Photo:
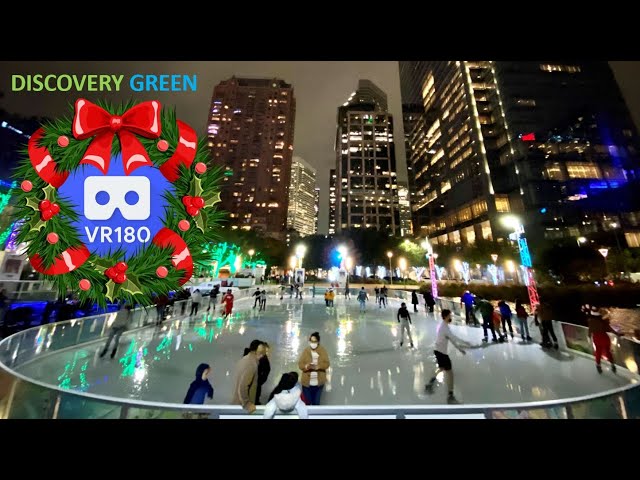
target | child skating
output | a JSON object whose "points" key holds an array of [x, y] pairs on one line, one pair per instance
{"points": [[443, 336]]}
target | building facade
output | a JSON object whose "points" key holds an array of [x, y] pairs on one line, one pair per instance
{"points": [[333, 205], [551, 142], [250, 134], [366, 183], [317, 208], [302, 198]]}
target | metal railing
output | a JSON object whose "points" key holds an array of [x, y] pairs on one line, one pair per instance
{"points": [[23, 397]]}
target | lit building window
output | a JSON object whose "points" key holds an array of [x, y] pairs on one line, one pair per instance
{"points": [[486, 230], [560, 68], [554, 172], [583, 170], [525, 102], [633, 239], [502, 204]]}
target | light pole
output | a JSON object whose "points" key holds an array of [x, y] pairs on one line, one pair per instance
{"points": [[604, 252], [300, 251], [389, 255], [513, 222], [402, 263], [432, 267], [581, 240]]}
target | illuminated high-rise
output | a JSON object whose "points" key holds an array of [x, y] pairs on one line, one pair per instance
{"points": [[302, 198], [366, 184], [250, 134], [333, 178], [552, 142]]}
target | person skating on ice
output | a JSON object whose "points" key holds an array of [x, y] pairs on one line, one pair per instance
{"points": [[486, 311], [227, 301], [362, 298], [414, 301], [523, 316], [598, 332], [118, 327], [404, 319], [196, 300], [256, 295], [263, 300], [505, 312], [441, 348]]}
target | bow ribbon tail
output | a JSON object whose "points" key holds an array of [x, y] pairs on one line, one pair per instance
{"points": [[99, 152], [133, 153]]}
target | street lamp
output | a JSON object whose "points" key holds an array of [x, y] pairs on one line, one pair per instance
{"points": [[389, 255], [300, 251], [402, 263], [494, 257], [293, 261], [513, 222], [581, 240], [348, 263], [604, 252]]}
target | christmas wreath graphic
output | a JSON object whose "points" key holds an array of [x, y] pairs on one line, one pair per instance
{"points": [[117, 201]]}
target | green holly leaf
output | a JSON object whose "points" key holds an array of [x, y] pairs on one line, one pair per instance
{"points": [[132, 286], [201, 220], [102, 264], [211, 198], [35, 205], [196, 187], [112, 290], [49, 192], [99, 268], [35, 224]]}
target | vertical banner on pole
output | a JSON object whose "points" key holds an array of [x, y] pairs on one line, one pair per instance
{"points": [[432, 275]]}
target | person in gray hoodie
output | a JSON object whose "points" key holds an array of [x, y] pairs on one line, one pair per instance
{"points": [[285, 398], [118, 327]]}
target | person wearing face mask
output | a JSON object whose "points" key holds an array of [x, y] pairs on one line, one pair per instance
{"points": [[246, 377], [314, 362]]}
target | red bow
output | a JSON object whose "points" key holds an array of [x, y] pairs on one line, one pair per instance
{"points": [[90, 120]]}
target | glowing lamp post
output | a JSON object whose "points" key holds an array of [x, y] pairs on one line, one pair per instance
{"points": [[348, 263], [389, 256], [432, 268], [581, 240], [300, 252], [402, 263], [513, 222], [604, 252]]}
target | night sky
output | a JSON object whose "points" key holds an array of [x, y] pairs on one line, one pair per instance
{"points": [[320, 87]]}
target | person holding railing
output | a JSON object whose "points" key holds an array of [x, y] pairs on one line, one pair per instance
{"points": [[246, 377], [467, 299], [599, 327], [544, 318], [118, 327]]}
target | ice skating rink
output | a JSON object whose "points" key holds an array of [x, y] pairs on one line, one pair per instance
{"points": [[368, 366]]}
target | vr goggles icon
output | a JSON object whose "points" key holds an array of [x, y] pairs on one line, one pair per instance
{"points": [[104, 195]]}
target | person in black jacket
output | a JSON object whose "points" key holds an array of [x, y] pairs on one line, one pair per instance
{"points": [[264, 368], [414, 301]]}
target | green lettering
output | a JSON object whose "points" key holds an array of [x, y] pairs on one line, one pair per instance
{"points": [[48, 87], [92, 83], [64, 78], [14, 86], [78, 84], [37, 80], [105, 83], [117, 81]]}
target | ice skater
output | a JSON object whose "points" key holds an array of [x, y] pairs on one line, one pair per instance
{"points": [[362, 298], [404, 319], [505, 312], [263, 300], [441, 347], [522, 317], [227, 300], [544, 318], [598, 332], [213, 298], [414, 301], [118, 327], [486, 311], [256, 294], [196, 300], [383, 297]]}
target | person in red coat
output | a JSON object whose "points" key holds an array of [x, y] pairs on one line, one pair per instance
{"points": [[227, 300], [598, 331]]}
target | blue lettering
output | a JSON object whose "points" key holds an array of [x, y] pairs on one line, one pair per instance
{"points": [[164, 83], [191, 82], [137, 83]]}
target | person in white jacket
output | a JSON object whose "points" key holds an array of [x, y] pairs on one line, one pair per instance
{"points": [[443, 336], [285, 398]]}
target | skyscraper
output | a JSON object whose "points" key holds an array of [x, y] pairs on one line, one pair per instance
{"points": [[333, 179], [366, 186], [250, 132], [404, 207], [302, 198], [552, 142], [317, 208]]}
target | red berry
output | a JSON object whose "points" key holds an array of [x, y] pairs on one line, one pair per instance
{"points": [[110, 272], [162, 272], [193, 211], [187, 200], [26, 185], [184, 225], [63, 141], [198, 202], [85, 284], [162, 145], [120, 278], [121, 267], [46, 215], [55, 209], [52, 238], [201, 168], [45, 205]]}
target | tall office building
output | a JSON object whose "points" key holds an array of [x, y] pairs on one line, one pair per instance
{"points": [[411, 115], [404, 208], [552, 142], [317, 208], [366, 186], [250, 133], [302, 198], [333, 179]]}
